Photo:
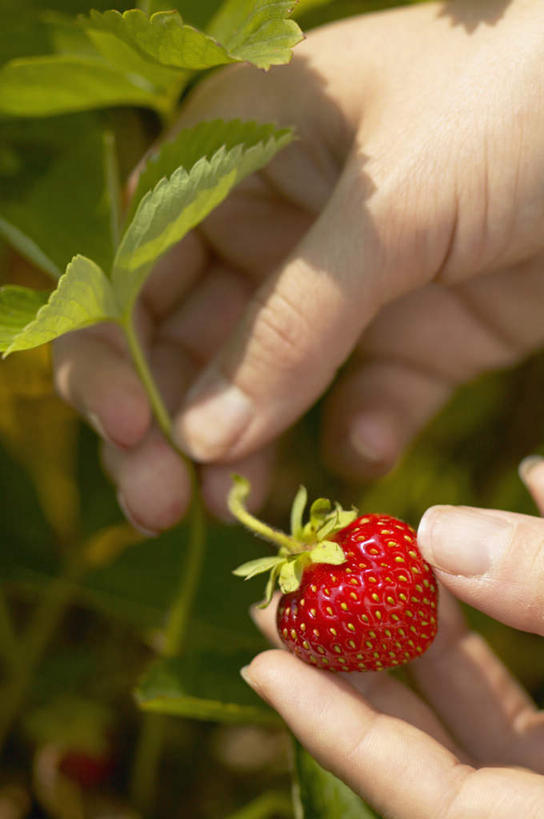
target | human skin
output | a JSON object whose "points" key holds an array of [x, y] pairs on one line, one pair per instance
{"points": [[402, 230], [470, 743]]}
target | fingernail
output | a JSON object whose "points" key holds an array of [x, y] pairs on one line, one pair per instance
{"points": [[130, 517], [246, 676], [98, 427], [371, 438], [462, 541], [527, 465], [217, 413]]}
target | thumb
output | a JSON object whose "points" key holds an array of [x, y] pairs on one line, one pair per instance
{"points": [[299, 328], [491, 559]]}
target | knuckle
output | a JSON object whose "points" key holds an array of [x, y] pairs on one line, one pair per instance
{"points": [[282, 333]]}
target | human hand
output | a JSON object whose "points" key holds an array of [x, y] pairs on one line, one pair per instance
{"points": [[404, 226], [475, 746]]}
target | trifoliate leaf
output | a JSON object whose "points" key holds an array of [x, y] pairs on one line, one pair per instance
{"points": [[56, 84], [257, 31], [258, 566], [83, 296], [177, 204], [297, 512]]}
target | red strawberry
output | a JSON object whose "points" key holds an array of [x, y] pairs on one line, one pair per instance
{"points": [[88, 770], [376, 610], [357, 593]]}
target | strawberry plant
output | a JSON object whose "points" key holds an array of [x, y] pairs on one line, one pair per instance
{"points": [[120, 656]]}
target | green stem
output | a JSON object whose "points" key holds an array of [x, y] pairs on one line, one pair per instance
{"points": [[44, 622], [146, 761], [236, 498], [151, 739]]}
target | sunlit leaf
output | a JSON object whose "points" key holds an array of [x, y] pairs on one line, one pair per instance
{"points": [[191, 144], [18, 307], [83, 297], [258, 31], [175, 205], [56, 84]]}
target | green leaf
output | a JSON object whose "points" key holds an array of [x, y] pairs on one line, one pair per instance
{"points": [[258, 566], [191, 144], [258, 31], [83, 297], [121, 39], [178, 203], [320, 795], [18, 307], [163, 39], [253, 31], [70, 207], [164, 689], [56, 84]]}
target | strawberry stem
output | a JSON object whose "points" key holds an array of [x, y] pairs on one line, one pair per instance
{"points": [[235, 501]]}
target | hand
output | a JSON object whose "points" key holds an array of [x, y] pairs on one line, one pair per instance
{"points": [[475, 748], [404, 226]]}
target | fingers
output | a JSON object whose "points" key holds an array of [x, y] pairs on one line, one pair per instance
{"points": [[299, 327], [492, 560], [404, 773], [153, 484], [92, 374], [415, 353], [383, 692], [477, 698]]}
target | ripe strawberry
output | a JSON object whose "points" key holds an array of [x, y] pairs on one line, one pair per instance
{"points": [[376, 610], [88, 770], [358, 595]]}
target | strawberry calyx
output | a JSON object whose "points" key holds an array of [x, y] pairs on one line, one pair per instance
{"points": [[307, 543]]}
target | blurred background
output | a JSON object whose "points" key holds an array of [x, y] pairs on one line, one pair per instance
{"points": [[83, 597]]}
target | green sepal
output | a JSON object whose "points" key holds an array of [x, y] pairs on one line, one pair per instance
{"points": [[308, 543], [258, 566], [328, 552], [291, 573], [270, 586], [297, 512]]}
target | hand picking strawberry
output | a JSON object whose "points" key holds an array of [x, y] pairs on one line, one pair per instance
{"points": [[357, 595]]}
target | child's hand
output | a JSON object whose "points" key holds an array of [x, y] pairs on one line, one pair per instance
{"points": [[475, 746], [405, 225]]}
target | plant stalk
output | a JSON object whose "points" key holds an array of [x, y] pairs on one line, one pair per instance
{"points": [[151, 739]]}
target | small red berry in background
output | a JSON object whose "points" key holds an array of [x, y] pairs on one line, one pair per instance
{"points": [[88, 770], [358, 595]]}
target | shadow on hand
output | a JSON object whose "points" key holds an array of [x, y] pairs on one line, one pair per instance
{"points": [[471, 14]]}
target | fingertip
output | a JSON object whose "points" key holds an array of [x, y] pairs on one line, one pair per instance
{"points": [[153, 483], [531, 472]]}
